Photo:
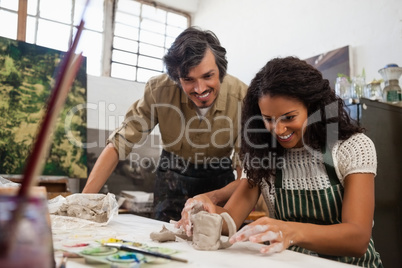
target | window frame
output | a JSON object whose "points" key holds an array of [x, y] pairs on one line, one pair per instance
{"points": [[108, 62], [109, 8]]}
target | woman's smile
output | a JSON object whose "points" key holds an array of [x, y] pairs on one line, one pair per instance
{"points": [[285, 138]]}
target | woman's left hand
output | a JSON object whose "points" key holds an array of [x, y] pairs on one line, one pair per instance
{"points": [[266, 229]]}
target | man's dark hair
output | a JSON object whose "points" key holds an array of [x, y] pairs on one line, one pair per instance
{"points": [[188, 50]]}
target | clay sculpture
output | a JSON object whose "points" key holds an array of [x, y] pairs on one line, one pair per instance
{"points": [[207, 228]]}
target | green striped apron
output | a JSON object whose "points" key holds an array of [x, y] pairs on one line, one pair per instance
{"points": [[319, 207]]}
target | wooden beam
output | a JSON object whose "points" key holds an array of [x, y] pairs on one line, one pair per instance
{"points": [[22, 19]]}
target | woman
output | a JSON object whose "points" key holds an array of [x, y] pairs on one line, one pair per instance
{"points": [[311, 162]]}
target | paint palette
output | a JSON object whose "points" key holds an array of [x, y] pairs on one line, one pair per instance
{"points": [[126, 257], [76, 245], [99, 251], [95, 254]]}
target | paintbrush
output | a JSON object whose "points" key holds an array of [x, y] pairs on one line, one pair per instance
{"points": [[63, 262], [143, 251], [65, 77]]}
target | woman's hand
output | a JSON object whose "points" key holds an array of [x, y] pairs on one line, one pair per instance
{"points": [[266, 229], [192, 206]]}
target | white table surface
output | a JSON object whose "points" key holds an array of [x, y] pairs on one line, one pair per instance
{"points": [[243, 254]]}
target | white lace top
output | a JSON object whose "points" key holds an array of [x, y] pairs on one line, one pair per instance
{"points": [[303, 168]]}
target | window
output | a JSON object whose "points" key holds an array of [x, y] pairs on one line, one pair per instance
{"points": [[128, 43], [142, 34], [53, 24], [9, 17]]}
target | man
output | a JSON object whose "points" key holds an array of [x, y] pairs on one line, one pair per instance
{"points": [[197, 106]]}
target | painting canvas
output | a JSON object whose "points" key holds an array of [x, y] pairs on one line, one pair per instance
{"points": [[332, 63], [27, 75]]}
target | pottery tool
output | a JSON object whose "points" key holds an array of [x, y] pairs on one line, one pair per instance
{"points": [[143, 251], [34, 166]]}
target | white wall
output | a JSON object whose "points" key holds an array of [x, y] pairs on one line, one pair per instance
{"points": [[254, 31], [108, 100], [189, 6]]}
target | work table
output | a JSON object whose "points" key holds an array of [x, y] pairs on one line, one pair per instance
{"points": [[136, 228]]}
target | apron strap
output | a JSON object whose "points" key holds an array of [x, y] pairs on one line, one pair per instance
{"points": [[330, 167], [278, 178], [328, 164]]}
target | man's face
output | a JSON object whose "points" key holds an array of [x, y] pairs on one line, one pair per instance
{"points": [[202, 83]]}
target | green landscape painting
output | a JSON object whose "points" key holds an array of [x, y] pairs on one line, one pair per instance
{"points": [[27, 76]]}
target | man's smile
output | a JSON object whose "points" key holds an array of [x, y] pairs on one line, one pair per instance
{"points": [[202, 96]]}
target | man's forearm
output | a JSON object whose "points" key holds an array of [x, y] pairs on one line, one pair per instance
{"points": [[104, 166]]}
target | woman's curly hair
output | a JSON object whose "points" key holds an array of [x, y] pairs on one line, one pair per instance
{"points": [[328, 119]]}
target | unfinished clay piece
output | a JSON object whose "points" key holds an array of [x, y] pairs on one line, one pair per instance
{"points": [[207, 228], [98, 208], [166, 235], [163, 236]]}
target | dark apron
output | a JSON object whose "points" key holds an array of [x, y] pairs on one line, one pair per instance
{"points": [[319, 207], [175, 183]]}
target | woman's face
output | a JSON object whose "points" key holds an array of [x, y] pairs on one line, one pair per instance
{"points": [[285, 118]]}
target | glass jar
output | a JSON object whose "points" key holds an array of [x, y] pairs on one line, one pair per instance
{"points": [[358, 84], [342, 88], [373, 91], [392, 91], [32, 244]]}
